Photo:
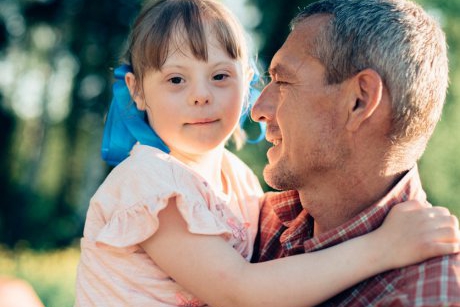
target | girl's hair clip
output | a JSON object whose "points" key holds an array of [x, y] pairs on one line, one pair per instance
{"points": [[253, 95], [125, 124]]}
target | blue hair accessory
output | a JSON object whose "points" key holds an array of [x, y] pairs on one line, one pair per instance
{"points": [[126, 125], [254, 94]]}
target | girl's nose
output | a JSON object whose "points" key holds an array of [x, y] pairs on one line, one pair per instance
{"points": [[201, 95], [201, 101]]}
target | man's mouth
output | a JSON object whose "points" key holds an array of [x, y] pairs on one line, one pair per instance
{"points": [[275, 142]]}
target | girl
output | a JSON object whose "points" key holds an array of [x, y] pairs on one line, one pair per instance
{"points": [[185, 217]]}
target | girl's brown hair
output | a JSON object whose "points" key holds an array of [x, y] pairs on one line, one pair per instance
{"points": [[155, 31]]}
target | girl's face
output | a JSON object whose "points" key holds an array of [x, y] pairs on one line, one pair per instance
{"points": [[193, 105]]}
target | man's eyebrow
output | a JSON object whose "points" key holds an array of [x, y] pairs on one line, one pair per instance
{"points": [[280, 71]]}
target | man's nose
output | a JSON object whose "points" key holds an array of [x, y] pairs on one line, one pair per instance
{"points": [[264, 108]]}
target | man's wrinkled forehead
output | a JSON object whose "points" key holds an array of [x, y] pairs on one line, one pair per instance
{"points": [[311, 29], [281, 69], [298, 47]]}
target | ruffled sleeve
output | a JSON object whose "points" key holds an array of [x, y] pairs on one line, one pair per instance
{"points": [[143, 191]]}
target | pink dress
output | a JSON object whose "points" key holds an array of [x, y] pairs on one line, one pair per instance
{"points": [[114, 270]]}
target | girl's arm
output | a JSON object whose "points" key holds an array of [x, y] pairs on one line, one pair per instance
{"points": [[213, 271]]}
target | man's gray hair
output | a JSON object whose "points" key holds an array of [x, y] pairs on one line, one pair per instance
{"points": [[401, 42]]}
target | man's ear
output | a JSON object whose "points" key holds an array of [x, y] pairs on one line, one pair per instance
{"points": [[368, 87], [131, 82]]}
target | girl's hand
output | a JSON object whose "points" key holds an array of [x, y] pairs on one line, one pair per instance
{"points": [[413, 232]]}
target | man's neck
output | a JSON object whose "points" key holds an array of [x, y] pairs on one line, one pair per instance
{"points": [[333, 202]]}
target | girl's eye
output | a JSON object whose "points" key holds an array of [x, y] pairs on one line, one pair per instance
{"points": [[220, 77], [176, 80]]}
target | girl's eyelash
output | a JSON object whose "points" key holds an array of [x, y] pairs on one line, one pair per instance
{"points": [[221, 75], [217, 77], [175, 80]]}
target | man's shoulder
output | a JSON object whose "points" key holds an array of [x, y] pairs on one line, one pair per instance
{"points": [[434, 281], [434, 267]]}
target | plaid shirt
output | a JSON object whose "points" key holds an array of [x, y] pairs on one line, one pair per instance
{"points": [[287, 229]]}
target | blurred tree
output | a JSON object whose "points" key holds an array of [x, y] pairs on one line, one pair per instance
{"points": [[440, 166], [56, 61], [274, 26], [6, 190]]}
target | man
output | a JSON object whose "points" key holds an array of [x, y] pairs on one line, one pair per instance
{"points": [[356, 92]]}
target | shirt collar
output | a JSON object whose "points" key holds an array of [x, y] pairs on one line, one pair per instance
{"points": [[286, 206], [296, 219], [409, 187]]}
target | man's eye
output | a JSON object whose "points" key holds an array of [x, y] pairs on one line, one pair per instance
{"points": [[220, 77], [266, 78], [176, 80]]}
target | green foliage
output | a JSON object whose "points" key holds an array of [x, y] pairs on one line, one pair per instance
{"points": [[51, 274], [56, 59], [440, 165]]}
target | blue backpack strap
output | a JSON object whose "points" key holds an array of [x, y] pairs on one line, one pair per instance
{"points": [[125, 124]]}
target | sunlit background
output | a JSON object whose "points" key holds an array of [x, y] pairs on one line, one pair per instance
{"points": [[56, 62]]}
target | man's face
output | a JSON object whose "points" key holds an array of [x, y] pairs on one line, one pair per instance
{"points": [[304, 116]]}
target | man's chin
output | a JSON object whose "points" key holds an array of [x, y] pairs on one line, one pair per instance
{"points": [[277, 177]]}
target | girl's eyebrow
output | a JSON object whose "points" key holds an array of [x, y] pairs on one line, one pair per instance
{"points": [[224, 63], [173, 66], [179, 66]]}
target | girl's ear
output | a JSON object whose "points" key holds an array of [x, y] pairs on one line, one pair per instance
{"points": [[368, 88], [131, 82]]}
